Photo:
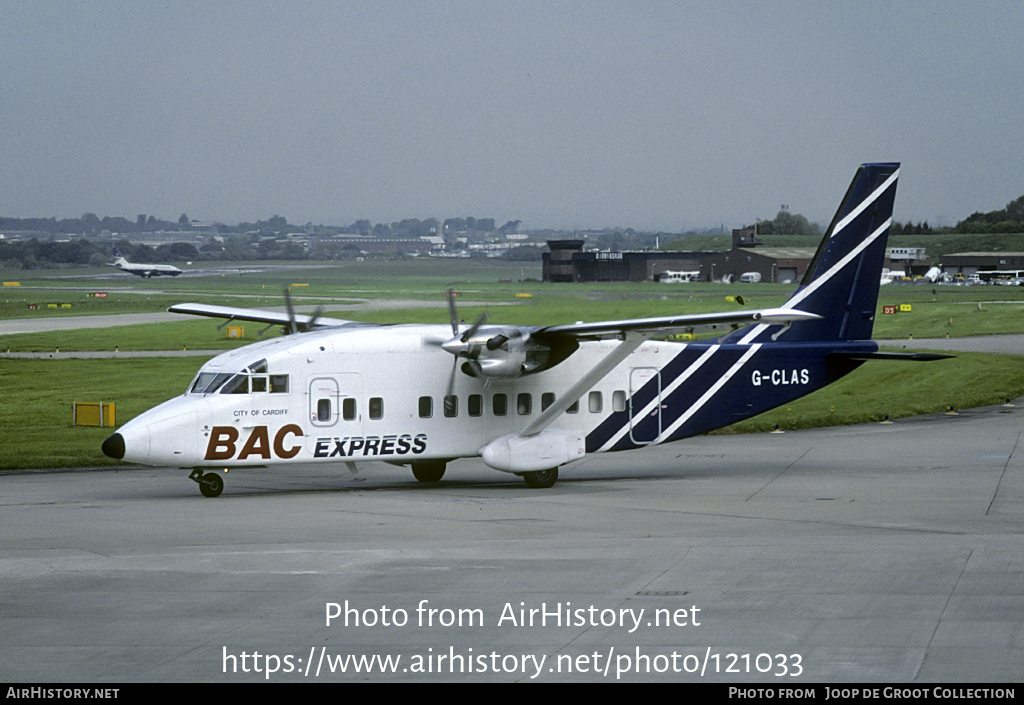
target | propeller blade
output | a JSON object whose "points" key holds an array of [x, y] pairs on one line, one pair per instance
{"points": [[452, 315], [308, 325], [451, 379], [474, 328], [292, 326]]}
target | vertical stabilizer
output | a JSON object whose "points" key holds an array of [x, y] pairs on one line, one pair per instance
{"points": [[841, 282]]}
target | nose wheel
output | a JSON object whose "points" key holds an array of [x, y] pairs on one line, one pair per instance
{"points": [[210, 483]]}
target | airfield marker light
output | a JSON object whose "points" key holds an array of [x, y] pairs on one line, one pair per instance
{"points": [[887, 419], [777, 429], [952, 411], [1008, 402]]}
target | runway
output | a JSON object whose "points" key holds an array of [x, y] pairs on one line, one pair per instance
{"points": [[874, 553]]}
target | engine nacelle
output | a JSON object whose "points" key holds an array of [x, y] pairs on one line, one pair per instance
{"points": [[506, 353], [503, 363], [546, 450]]}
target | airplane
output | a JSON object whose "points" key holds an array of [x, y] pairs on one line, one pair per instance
{"points": [[144, 270], [526, 400]]}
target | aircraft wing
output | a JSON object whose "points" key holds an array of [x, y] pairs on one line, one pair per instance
{"points": [[256, 315], [668, 325]]}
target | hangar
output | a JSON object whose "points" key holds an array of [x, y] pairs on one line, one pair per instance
{"points": [[968, 263], [569, 262]]}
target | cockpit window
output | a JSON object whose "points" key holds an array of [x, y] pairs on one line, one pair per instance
{"points": [[254, 379], [238, 384], [209, 382]]}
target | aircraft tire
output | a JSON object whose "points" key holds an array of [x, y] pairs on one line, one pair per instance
{"points": [[542, 479], [211, 485], [430, 471]]}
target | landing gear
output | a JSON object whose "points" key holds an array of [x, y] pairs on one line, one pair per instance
{"points": [[429, 471], [210, 483], [542, 479]]}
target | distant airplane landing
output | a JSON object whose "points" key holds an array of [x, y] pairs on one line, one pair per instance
{"points": [[144, 270]]}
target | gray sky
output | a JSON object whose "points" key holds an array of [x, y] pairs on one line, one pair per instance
{"points": [[664, 115]]}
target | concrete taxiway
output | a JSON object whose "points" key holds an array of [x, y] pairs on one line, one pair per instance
{"points": [[882, 553]]}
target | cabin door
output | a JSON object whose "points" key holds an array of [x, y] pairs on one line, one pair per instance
{"points": [[335, 400], [644, 412]]}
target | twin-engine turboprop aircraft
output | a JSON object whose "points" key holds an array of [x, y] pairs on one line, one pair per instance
{"points": [[525, 399]]}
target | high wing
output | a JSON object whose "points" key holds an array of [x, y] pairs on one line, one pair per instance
{"points": [[303, 321], [667, 325]]}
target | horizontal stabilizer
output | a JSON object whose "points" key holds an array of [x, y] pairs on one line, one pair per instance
{"points": [[908, 357]]}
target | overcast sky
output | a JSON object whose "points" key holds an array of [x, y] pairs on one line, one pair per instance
{"points": [[655, 115]]}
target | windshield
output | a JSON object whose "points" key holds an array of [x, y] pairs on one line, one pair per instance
{"points": [[253, 378], [209, 382]]}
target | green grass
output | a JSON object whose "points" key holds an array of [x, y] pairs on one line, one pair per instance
{"points": [[36, 423], [950, 311]]}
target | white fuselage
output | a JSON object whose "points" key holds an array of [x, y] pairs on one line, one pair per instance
{"points": [[374, 393], [146, 270]]}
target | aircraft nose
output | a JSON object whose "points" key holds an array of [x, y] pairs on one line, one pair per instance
{"points": [[113, 447]]}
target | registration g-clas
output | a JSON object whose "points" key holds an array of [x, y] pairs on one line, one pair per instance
{"points": [[780, 378]]}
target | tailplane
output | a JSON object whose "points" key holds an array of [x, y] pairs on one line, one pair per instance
{"points": [[841, 282]]}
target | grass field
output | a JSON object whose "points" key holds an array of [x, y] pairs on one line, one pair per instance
{"points": [[37, 430]]}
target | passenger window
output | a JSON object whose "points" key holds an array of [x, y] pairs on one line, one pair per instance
{"points": [[348, 408], [376, 408], [259, 384], [618, 400], [596, 403], [546, 400], [524, 404], [426, 407], [451, 406], [500, 404], [475, 405], [323, 410], [278, 384], [573, 408]]}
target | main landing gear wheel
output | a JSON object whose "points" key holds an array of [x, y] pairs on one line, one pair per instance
{"points": [[210, 483], [542, 479], [431, 471]]}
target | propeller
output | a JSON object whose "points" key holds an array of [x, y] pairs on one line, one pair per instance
{"points": [[293, 325], [460, 345], [498, 353]]}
